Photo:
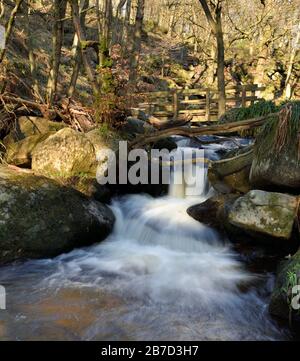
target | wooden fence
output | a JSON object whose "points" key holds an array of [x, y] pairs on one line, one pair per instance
{"points": [[201, 104]]}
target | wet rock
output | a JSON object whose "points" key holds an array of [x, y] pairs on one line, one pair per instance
{"points": [[265, 213], [288, 276], [165, 143], [235, 182], [40, 218], [231, 174], [213, 212]]}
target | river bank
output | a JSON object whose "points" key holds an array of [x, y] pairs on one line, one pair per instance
{"points": [[160, 275]]}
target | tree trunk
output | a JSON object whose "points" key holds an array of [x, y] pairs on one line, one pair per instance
{"points": [[294, 51], [136, 42], [205, 130], [105, 41], [216, 27], [221, 63], [84, 4], [9, 26], [57, 41], [31, 56], [119, 23], [81, 39]]}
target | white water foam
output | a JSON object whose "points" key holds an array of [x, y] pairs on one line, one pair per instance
{"points": [[177, 278]]}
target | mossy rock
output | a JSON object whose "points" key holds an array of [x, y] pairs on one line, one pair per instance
{"points": [[89, 187], [276, 161], [27, 126], [288, 276], [213, 212], [231, 174], [40, 218], [20, 153], [65, 154], [266, 213], [235, 182]]}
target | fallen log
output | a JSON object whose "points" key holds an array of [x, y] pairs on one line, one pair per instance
{"points": [[164, 124], [205, 130]]}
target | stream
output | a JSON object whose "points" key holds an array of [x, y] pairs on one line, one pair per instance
{"points": [[160, 275]]}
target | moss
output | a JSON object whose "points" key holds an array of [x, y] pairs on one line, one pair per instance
{"points": [[32, 206], [267, 137], [255, 110], [288, 277]]}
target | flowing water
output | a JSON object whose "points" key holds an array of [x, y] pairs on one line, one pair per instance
{"points": [[160, 275]]}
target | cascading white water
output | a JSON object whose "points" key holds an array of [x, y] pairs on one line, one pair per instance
{"points": [[165, 275]]}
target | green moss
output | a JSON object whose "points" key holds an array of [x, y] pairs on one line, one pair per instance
{"points": [[267, 137], [255, 110], [291, 279]]}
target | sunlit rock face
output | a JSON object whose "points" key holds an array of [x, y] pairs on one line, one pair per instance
{"points": [[268, 213], [27, 126], [26, 134], [20, 153], [40, 218], [276, 154], [64, 154]]}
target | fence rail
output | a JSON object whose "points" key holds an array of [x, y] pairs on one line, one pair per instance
{"points": [[201, 104]]}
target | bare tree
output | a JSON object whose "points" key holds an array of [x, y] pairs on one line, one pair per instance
{"points": [[215, 22], [137, 39], [82, 43], [84, 4], [59, 11], [10, 25], [295, 44]]}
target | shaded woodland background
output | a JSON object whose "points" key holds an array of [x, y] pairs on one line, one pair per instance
{"points": [[102, 53]]}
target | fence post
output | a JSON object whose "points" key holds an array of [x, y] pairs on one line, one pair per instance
{"points": [[253, 93], [244, 96], [175, 105], [237, 96], [207, 110]]}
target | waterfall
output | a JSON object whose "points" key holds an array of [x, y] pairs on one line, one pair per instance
{"points": [[190, 179], [161, 275]]}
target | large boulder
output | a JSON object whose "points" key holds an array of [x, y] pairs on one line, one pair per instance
{"points": [[65, 154], [104, 139], [89, 187], [40, 218], [278, 170], [27, 126], [266, 213], [214, 211], [276, 152], [20, 153], [231, 174], [288, 276]]}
